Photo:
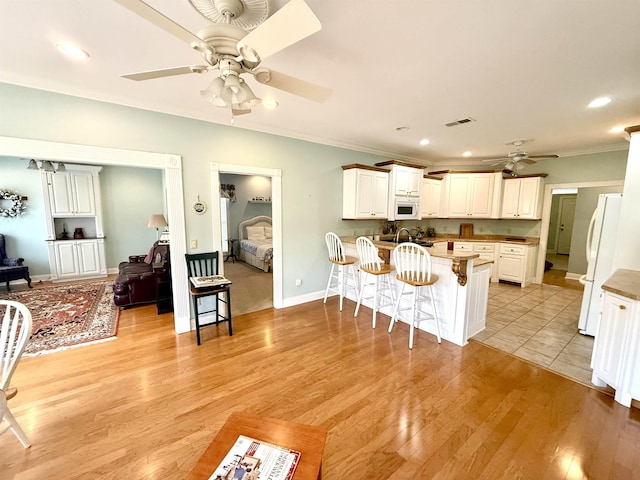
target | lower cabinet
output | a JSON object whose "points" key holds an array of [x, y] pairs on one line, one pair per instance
{"points": [[516, 263], [487, 251], [616, 352], [69, 259]]}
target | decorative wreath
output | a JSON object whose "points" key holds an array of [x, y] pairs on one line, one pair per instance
{"points": [[17, 207]]}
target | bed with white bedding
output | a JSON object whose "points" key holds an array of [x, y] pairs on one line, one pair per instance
{"points": [[256, 242]]}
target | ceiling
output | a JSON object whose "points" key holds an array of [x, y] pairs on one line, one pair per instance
{"points": [[521, 70]]}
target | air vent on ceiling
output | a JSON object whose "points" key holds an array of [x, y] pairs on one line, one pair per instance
{"points": [[459, 122]]}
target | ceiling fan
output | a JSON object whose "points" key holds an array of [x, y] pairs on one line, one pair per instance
{"points": [[514, 160], [241, 36]]}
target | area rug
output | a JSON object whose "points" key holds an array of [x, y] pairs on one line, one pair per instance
{"points": [[70, 315]]}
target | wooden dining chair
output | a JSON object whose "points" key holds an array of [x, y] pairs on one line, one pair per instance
{"points": [[206, 265], [15, 332]]}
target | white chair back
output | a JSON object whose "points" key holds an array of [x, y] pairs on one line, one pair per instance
{"points": [[15, 332], [335, 247], [368, 254], [412, 262]]}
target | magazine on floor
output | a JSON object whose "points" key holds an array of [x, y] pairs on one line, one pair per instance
{"points": [[210, 281], [251, 459]]}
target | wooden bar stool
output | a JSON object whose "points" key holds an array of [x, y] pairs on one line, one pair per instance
{"points": [[339, 277], [413, 267], [376, 274]]}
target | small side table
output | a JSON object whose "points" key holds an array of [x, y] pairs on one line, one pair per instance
{"points": [[164, 292], [232, 252]]}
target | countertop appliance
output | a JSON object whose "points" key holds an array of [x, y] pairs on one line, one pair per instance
{"points": [[601, 239]]}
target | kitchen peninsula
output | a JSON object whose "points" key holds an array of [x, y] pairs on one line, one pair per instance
{"points": [[461, 291]]}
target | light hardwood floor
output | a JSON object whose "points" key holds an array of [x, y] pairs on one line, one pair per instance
{"points": [[145, 406]]}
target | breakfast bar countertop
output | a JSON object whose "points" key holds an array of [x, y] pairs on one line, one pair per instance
{"points": [[385, 245]]}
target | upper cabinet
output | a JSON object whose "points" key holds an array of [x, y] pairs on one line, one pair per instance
{"points": [[523, 197], [407, 181], [364, 192], [71, 193], [473, 195], [430, 198]]}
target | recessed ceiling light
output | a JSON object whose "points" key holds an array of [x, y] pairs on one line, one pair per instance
{"points": [[402, 129], [599, 102], [270, 103], [466, 154], [424, 141], [71, 50], [618, 129]]}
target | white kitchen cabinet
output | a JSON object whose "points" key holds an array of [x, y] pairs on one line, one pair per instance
{"points": [[473, 195], [488, 251], [616, 349], [516, 263], [522, 198], [430, 198], [364, 192], [407, 181], [77, 258]]}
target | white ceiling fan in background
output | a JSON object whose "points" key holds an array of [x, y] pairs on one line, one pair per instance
{"points": [[514, 160], [241, 35]]}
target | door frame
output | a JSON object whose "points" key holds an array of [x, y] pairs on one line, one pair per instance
{"points": [[170, 164], [546, 216], [276, 215]]}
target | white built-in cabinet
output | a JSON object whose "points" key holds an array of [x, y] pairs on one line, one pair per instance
{"points": [[616, 349], [72, 202], [522, 198], [516, 263], [364, 192], [430, 198], [407, 181], [473, 195]]}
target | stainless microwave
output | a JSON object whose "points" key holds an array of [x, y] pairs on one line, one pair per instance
{"points": [[406, 209]]}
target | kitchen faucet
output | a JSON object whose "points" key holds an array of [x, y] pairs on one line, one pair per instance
{"points": [[400, 231]]}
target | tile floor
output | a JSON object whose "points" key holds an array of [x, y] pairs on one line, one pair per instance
{"points": [[539, 323]]}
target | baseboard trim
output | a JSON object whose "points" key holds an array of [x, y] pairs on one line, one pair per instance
{"points": [[572, 276], [300, 299]]}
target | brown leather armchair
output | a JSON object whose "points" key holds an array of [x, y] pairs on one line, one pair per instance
{"points": [[136, 284], [12, 268]]}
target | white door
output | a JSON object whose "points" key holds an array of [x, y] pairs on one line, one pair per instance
{"points": [[88, 258], [566, 213]]}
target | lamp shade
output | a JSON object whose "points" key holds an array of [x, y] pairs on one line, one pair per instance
{"points": [[157, 220]]}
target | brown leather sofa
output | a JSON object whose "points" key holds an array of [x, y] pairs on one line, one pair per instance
{"points": [[135, 284]]}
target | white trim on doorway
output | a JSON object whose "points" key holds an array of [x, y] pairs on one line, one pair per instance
{"points": [[276, 215], [546, 216], [169, 163]]}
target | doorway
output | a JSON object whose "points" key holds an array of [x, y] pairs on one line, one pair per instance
{"points": [[245, 197], [275, 175], [550, 227]]}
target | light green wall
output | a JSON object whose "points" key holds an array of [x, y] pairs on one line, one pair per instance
{"points": [[125, 215]]}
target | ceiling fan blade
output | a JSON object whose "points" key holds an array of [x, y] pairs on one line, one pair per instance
{"points": [[240, 112], [154, 16], [290, 84], [165, 72], [495, 161], [527, 161], [291, 23], [543, 156]]}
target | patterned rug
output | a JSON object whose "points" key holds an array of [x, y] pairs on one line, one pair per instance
{"points": [[69, 315]]}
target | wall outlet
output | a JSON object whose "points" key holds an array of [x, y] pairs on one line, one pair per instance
{"points": [[194, 243], [298, 282]]}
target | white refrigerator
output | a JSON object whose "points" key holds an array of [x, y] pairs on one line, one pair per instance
{"points": [[601, 240]]}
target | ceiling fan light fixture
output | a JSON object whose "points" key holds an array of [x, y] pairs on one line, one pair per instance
{"points": [[509, 165]]}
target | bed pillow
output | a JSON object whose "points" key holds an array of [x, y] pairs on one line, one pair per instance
{"points": [[268, 232], [255, 233]]}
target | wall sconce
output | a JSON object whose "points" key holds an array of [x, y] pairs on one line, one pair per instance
{"points": [[46, 166]]}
